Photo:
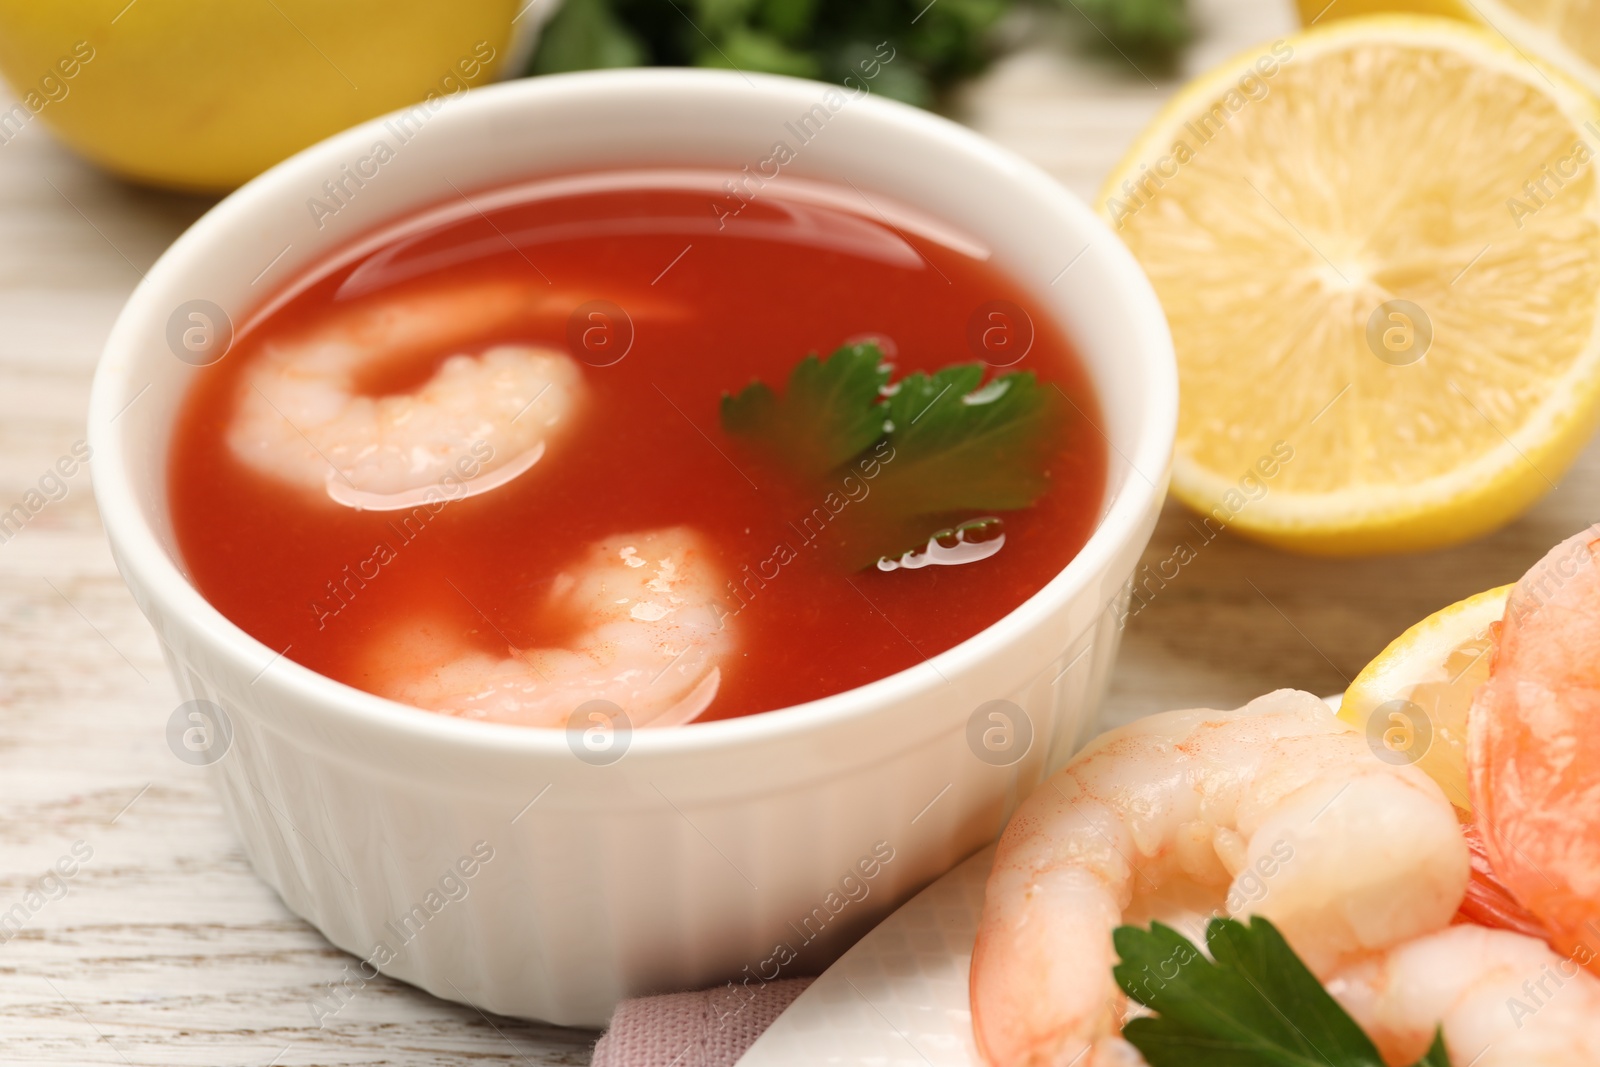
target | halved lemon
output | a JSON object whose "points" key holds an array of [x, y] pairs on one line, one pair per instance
{"points": [[1412, 700], [1387, 335], [1565, 32]]}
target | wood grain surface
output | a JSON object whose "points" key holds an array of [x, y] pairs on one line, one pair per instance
{"points": [[163, 947]]}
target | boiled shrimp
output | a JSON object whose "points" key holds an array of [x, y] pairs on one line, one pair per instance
{"points": [[646, 639], [1502, 999], [1488, 902], [1277, 809], [1534, 746], [480, 420]]}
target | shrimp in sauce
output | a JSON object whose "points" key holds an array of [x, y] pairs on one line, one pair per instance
{"points": [[645, 637], [303, 419]]}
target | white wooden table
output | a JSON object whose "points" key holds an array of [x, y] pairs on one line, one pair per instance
{"points": [[166, 949]]}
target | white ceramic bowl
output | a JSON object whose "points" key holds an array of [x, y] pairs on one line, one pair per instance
{"points": [[740, 849]]}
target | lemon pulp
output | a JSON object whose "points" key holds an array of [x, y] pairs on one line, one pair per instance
{"points": [[1412, 700]]}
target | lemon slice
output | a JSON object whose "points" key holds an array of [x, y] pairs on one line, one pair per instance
{"points": [[1565, 32], [1387, 339], [1412, 700]]}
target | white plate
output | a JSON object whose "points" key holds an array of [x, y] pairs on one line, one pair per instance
{"points": [[899, 997]]}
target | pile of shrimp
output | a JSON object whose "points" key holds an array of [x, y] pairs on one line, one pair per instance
{"points": [[1280, 809]]}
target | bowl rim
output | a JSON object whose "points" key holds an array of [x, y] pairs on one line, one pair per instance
{"points": [[156, 577]]}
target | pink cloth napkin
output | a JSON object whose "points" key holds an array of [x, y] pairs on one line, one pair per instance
{"points": [[711, 1028]]}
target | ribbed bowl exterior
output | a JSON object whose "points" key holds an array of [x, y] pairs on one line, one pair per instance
{"points": [[604, 883]]}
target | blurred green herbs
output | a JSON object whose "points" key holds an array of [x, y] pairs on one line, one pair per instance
{"points": [[1143, 30], [914, 49]]}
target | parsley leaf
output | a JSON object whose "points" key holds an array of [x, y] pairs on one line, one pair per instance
{"points": [[828, 416], [958, 447], [942, 446], [1254, 1004], [1437, 1056]]}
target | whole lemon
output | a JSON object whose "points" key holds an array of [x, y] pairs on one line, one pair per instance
{"points": [[204, 94]]}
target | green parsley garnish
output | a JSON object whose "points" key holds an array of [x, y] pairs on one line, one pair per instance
{"points": [[910, 50], [942, 446], [829, 415], [1140, 31], [1253, 1004]]}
